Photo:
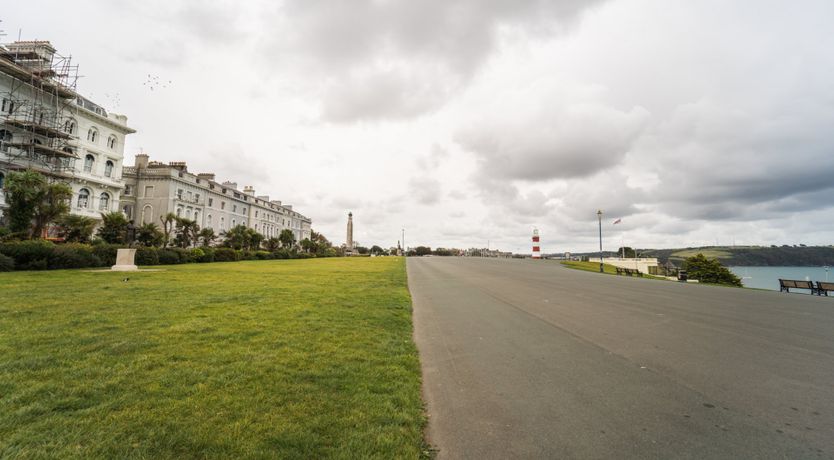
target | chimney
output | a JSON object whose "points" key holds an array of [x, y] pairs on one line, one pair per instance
{"points": [[276, 202], [141, 160], [206, 176], [231, 185], [249, 190], [264, 198], [288, 206], [178, 165]]}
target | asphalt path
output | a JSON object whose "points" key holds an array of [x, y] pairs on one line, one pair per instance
{"points": [[529, 359]]}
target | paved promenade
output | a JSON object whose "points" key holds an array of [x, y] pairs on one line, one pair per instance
{"points": [[527, 359]]}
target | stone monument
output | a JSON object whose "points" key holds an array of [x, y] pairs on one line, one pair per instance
{"points": [[349, 239], [125, 260]]}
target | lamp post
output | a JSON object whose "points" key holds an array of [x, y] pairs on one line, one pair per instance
{"points": [[599, 216]]}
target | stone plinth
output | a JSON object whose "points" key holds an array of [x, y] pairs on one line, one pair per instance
{"points": [[125, 261]]}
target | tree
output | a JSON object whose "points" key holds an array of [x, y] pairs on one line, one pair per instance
{"points": [[629, 252], [308, 245], [709, 271], [376, 250], [272, 244], [421, 251], [361, 250], [236, 237], [207, 236], [23, 192], [187, 231], [149, 235], [76, 229], [287, 238], [169, 222], [113, 228], [34, 203], [52, 207]]}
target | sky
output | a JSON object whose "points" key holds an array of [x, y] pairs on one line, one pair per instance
{"points": [[468, 123]]}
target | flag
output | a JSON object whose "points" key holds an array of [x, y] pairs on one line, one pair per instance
{"points": [[617, 221]]}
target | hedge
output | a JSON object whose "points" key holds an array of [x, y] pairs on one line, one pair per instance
{"points": [[43, 255]]}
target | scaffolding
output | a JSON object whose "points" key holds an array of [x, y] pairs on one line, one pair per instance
{"points": [[38, 93]]}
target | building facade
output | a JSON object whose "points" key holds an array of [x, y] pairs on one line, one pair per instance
{"points": [[46, 126], [154, 189]]}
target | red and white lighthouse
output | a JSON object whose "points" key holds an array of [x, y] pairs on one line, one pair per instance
{"points": [[537, 253]]}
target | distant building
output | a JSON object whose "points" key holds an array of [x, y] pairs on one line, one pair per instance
{"points": [[154, 189], [46, 126]]}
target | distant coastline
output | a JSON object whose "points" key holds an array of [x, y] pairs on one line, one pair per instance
{"points": [[744, 256]]}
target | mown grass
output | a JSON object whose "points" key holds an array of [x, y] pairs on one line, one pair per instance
{"points": [[590, 266], [261, 359]]}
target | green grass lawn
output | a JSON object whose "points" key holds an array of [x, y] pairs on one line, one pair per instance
{"points": [[261, 359], [590, 266]]}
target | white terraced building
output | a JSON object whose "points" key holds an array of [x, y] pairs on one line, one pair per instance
{"points": [[46, 126], [154, 189]]}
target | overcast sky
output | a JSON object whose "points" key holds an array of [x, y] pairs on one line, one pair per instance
{"points": [[474, 121]]}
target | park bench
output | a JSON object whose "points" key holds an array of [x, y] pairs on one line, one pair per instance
{"points": [[823, 287], [787, 285], [628, 271]]}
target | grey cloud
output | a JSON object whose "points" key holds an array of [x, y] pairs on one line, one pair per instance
{"points": [[425, 190], [381, 95], [400, 58], [547, 139]]}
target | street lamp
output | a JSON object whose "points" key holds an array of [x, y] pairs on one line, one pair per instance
{"points": [[599, 216]]}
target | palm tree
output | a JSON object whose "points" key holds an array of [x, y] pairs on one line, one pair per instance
{"points": [[187, 232], [168, 222], [207, 236], [287, 238]]}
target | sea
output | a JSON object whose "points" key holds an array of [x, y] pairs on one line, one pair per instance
{"points": [[768, 277]]}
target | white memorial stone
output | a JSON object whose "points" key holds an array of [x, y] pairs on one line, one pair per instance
{"points": [[125, 260]]}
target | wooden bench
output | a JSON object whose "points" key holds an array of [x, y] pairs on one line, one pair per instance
{"points": [[823, 287], [632, 272], [787, 285]]}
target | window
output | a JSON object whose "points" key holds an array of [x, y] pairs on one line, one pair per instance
{"points": [[92, 135], [179, 212], [104, 202], [149, 191], [208, 221], [179, 193], [83, 197], [222, 223], [8, 106], [234, 223], [222, 205], [69, 126], [197, 197], [211, 201], [128, 210], [5, 136], [128, 189], [234, 208], [256, 213], [2, 178], [111, 142], [88, 163], [196, 216], [190, 195], [147, 214], [108, 168]]}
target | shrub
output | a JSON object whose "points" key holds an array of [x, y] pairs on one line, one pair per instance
{"points": [[29, 254], [106, 253], [147, 256], [184, 255], [281, 254], [72, 255], [225, 255], [246, 255], [6, 263], [202, 255], [710, 271], [168, 257]]}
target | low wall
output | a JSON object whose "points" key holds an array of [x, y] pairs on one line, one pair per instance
{"points": [[644, 264]]}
